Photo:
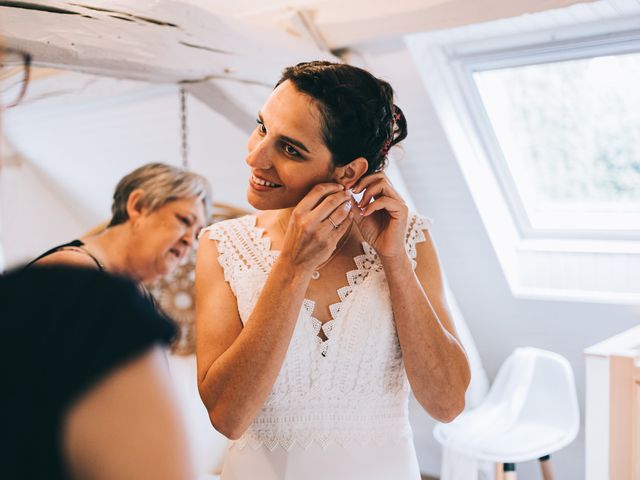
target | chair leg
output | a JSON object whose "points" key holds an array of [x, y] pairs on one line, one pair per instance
{"points": [[545, 466], [510, 471]]}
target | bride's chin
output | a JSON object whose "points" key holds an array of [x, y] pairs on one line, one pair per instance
{"points": [[260, 203]]}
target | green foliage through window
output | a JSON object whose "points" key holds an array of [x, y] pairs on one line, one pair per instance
{"points": [[569, 131]]}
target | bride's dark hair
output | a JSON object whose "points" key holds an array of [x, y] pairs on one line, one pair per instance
{"points": [[359, 118]]}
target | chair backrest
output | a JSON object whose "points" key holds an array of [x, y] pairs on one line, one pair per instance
{"points": [[538, 386], [552, 397]]}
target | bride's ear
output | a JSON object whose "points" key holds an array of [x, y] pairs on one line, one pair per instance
{"points": [[349, 174]]}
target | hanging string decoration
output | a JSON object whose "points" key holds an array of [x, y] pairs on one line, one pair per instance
{"points": [[184, 132]]}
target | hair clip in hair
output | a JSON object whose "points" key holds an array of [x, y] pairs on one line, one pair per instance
{"points": [[385, 147]]}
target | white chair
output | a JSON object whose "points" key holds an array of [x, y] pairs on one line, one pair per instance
{"points": [[530, 412]]}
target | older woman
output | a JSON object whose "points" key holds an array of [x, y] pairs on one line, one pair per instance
{"points": [[157, 212]]}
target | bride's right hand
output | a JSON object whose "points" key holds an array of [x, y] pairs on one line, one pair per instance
{"points": [[311, 237]]}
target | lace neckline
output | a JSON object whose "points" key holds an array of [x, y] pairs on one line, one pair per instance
{"points": [[366, 262]]}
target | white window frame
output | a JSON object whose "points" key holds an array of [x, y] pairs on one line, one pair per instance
{"points": [[537, 264], [466, 63]]}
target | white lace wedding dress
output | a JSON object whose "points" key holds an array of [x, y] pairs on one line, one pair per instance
{"points": [[338, 409]]}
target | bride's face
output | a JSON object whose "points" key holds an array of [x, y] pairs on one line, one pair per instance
{"points": [[287, 154]]}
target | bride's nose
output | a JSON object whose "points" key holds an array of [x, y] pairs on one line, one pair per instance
{"points": [[259, 155]]}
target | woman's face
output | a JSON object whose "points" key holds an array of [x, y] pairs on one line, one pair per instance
{"points": [[162, 237], [287, 155]]}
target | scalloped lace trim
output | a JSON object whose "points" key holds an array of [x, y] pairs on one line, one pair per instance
{"points": [[242, 246], [252, 249], [324, 429]]}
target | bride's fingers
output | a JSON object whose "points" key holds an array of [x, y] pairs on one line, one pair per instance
{"points": [[394, 207], [364, 182], [331, 203], [341, 213], [317, 194], [337, 217], [378, 189], [335, 233]]}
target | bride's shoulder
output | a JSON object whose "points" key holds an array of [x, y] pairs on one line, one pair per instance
{"points": [[246, 221], [416, 223], [417, 233]]}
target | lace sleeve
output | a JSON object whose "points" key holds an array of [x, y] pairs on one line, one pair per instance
{"points": [[416, 224], [220, 234]]}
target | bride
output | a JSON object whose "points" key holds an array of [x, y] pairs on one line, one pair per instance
{"points": [[316, 316]]}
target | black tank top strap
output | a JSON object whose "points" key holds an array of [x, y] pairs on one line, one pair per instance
{"points": [[74, 244]]}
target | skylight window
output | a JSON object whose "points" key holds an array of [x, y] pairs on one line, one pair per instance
{"points": [[569, 141]]}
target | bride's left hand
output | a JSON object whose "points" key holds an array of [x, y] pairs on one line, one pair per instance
{"points": [[383, 222]]}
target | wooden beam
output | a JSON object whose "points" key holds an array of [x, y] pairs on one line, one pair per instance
{"points": [[218, 100], [166, 42]]}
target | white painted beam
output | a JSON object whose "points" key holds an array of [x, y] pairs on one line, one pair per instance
{"points": [[169, 41], [226, 105]]}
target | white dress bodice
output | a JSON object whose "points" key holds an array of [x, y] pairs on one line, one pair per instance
{"points": [[345, 396]]}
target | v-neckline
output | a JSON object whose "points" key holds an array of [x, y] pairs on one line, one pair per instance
{"points": [[355, 277]]}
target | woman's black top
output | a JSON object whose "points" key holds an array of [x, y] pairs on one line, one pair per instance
{"points": [[63, 330], [75, 245]]}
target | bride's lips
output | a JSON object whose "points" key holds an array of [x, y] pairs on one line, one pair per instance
{"points": [[262, 184]]}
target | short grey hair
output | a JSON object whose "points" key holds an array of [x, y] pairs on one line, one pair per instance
{"points": [[161, 184]]}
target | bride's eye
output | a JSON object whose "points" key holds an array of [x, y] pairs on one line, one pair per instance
{"points": [[261, 128], [289, 150]]}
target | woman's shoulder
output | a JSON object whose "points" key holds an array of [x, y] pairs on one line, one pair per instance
{"points": [[239, 245], [70, 257], [72, 253], [220, 230], [417, 222]]}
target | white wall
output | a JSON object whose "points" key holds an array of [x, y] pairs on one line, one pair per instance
{"points": [[498, 322], [77, 146]]}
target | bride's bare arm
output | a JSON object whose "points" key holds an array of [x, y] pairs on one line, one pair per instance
{"points": [[435, 361], [237, 366]]}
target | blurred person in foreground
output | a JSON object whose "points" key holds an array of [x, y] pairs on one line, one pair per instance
{"points": [[86, 392], [86, 389]]}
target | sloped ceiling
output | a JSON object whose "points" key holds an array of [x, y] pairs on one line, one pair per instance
{"points": [[344, 23], [185, 40], [228, 54]]}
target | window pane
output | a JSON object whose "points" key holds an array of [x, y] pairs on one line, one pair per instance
{"points": [[570, 133]]}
